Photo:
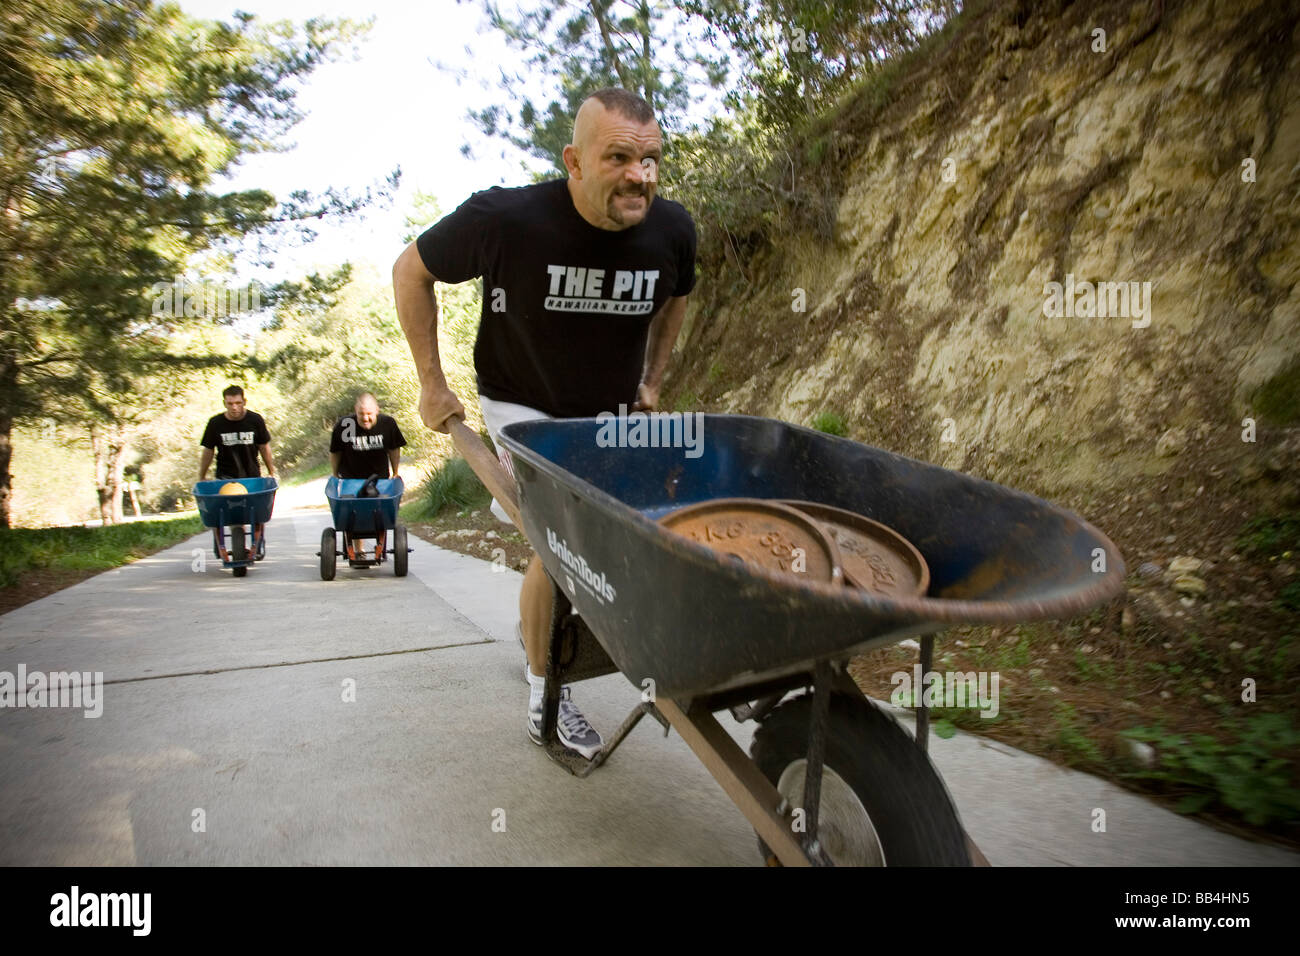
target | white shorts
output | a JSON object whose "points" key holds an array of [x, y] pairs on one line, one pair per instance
{"points": [[496, 416]]}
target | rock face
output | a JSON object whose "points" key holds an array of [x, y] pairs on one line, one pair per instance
{"points": [[1056, 260]]}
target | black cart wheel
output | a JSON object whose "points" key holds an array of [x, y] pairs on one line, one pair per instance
{"points": [[882, 801], [328, 556], [238, 550], [399, 551]]}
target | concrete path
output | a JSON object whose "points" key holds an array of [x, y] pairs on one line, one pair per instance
{"points": [[228, 737]]}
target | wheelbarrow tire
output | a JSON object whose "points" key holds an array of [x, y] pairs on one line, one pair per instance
{"points": [[238, 550], [328, 554], [908, 806], [399, 551]]}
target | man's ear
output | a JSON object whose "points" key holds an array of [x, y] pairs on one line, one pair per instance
{"points": [[572, 161]]}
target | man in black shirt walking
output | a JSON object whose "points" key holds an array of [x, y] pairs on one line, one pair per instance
{"points": [[237, 437], [584, 291]]}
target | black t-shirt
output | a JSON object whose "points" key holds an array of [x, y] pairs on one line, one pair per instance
{"points": [[365, 450], [566, 306], [236, 444]]}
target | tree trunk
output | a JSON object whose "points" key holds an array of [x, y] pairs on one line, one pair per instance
{"points": [[6, 456], [8, 387], [110, 447]]}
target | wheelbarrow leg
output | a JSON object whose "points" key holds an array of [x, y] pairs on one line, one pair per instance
{"points": [[742, 781], [575, 763], [823, 678], [923, 734], [923, 709]]}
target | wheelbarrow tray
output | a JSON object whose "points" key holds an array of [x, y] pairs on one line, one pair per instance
{"points": [[675, 612], [365, 515], [220, 511]]}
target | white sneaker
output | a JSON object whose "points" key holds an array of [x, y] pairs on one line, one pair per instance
{"points": [[574, 731]]}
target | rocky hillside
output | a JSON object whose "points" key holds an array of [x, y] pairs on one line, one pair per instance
{"points": [[1064, 257], [1058, 248]]}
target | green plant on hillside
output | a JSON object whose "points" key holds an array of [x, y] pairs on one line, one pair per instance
{"points": [[1268, 535], [1252, 774], [830, 423], [453, 483], [1278, 399]]}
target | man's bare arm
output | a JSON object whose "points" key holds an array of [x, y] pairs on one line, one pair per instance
{"points": [[335, 458], [659, 348], [266, 457], [417, 311], [394, 460], [205, 462]]}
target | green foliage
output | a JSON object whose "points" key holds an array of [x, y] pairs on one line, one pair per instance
{"points": [[1071, 738], [117, 120], [687, 402], [453, 483], [1252, 774], [1278, 399], [316, 360], [575, 49], [1268, 535], [1289, 597], [944, 729], [87, 549], [830, 423]]}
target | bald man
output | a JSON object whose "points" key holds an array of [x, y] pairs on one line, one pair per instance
{"points": [[584, 291], [362, 444]]}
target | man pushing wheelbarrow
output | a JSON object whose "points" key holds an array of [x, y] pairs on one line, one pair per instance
{"points": [[236, 438], [365, 445], [584, 291]]}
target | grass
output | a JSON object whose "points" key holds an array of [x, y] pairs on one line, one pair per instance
{"points": [[1270, 536], [1278, 399], [1251, 773], [830, 423], [688, 402], [87, 549], [453, 484], [303, 475]]}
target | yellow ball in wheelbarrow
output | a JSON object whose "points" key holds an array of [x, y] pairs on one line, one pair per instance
{"points": [[232, 488]]}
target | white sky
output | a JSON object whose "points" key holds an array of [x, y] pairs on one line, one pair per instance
{"points": [[390, 107]]}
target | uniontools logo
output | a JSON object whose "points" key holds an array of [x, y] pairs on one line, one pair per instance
{"points": [[56, 689], [593, 582]]}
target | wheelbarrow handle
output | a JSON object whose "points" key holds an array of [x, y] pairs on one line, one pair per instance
{"points": [[487, 468]]}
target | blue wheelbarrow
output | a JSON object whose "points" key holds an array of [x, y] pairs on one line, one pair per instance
{"points": [[831, 777], [364, 524], [238, 522]]}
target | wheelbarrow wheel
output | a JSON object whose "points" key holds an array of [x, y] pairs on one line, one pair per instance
{"points": [[882, 801], [238, 551], [399, 551], [328, 556]]}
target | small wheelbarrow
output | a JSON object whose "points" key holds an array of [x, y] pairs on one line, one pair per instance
{"points": [[239, 519], [831, 778], [364, 524]]}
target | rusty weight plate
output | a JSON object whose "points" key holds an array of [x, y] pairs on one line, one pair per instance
{"points": [[761, 533], [876, 558]]}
